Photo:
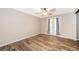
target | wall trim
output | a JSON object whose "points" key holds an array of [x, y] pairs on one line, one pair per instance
{"points": [[77, 40], [67, 37], [63, 37], [18, 40]]}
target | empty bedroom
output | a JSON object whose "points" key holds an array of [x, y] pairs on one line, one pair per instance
{"points": [[39, 29]]}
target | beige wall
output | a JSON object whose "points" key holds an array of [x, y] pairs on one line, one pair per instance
{"points": [[67, 25], [44, 26], [15, 25]]}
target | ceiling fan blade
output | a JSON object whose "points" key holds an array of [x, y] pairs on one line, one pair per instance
{"points": [[52, 10], [42, 9], [49, 11]]}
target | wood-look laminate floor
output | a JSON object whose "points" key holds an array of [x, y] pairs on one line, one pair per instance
{"points": [[43, 42]]}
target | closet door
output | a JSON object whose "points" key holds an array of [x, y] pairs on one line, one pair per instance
{"points": [[77, 25]]}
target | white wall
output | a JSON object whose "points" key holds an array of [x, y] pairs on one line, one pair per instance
{"points": [[44, 26], [67, 25], [15, 25]]}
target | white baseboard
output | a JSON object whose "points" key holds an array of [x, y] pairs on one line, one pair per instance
{"points": [[17, 40], [77, 40], [63, 37]]}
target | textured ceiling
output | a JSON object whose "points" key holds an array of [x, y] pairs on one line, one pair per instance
{"points": [[35, 11]]}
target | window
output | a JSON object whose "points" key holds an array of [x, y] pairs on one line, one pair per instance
{"points": [[53, 26]]}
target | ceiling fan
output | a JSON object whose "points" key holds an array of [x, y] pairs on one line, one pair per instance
{"points": [[46, 11]]}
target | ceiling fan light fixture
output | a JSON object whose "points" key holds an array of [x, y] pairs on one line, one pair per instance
{"points": [[44, 12], [47, 11]]}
